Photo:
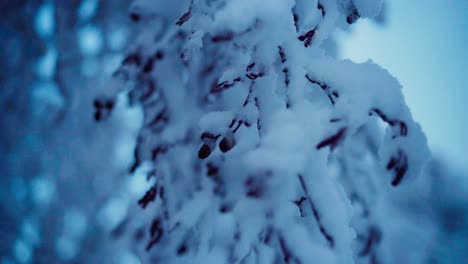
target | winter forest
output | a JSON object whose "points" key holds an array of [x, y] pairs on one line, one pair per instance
{"points": [[232, 131]]}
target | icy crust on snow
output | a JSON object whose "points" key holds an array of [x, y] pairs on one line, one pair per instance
{"points": [[254, 135]]}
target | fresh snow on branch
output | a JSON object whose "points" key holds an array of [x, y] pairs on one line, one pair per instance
{"points": [[263, 148]]}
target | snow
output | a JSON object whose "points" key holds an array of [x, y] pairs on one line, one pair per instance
{"points": [[42, 190], [255, 127], [113, 213], [65, 248], [22, 251], [88, 9], [90, 40], [44, 22]]}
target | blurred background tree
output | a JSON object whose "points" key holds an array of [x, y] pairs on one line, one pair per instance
{"points": [[62, 174]]}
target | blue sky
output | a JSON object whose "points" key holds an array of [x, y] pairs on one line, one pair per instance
{"points": [[424, 44]]}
